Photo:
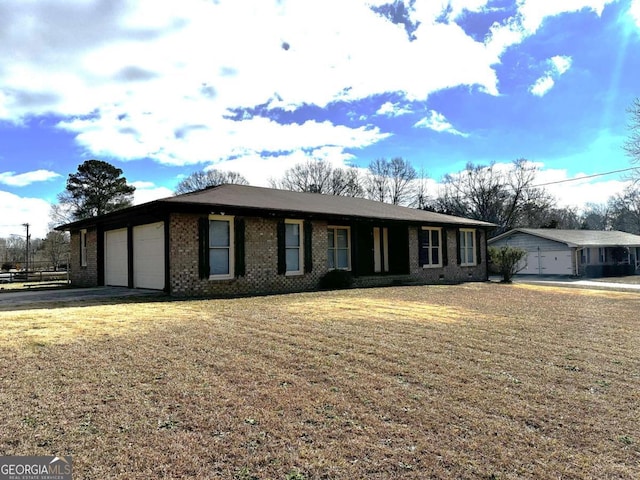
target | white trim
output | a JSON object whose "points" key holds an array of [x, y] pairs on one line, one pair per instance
{"points": [[431, 247], [463, 256], [335, 229], [230, 220], [300, 270]]}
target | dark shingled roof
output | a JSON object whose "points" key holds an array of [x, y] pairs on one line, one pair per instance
{"points": [[259, 198], [579, 238], [247, 200]]}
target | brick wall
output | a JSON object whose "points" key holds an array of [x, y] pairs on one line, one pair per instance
{"points": [[452, 272], [261, 262], [84, 276]]}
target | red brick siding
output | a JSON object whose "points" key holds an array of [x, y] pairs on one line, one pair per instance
{"points": [[84, 276], [261, 260]]}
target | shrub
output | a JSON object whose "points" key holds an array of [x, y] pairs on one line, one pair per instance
{"points": [[508, 261], [336, 280], [6, 266]]}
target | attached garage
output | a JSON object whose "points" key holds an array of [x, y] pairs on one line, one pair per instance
{"points": [[148, 256], [116, 258]]}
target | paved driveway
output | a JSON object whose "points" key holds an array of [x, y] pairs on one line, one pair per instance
{"points": [[573, 282], [24, 299]]}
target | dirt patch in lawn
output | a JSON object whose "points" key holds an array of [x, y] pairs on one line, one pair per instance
{"points": [[470, 381]]}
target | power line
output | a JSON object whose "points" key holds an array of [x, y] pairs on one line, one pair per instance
{"points": [[586, 176]]}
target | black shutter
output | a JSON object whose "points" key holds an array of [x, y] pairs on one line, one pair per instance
{"points": [[422, 252], [355, 236], [282, 251], [445, 254], [203, 247], [239, 247], [478, 248], [458, 255], [308, 246]]}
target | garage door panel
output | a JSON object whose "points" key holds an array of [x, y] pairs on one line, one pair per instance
{"points": [[548, 263], [116, 260], [556, 263], [148, 256]]}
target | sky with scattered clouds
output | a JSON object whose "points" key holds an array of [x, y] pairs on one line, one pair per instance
{"points": [[162, 89]]}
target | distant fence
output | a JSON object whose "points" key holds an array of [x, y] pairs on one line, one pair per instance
{"points": [[10, 277]]}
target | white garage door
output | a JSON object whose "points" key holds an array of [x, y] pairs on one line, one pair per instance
{"points": [[115, 258], [148, 256], [549, 263], [556, 263]]}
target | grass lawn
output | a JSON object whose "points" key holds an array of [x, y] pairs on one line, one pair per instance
{"points": [[468, 382]]}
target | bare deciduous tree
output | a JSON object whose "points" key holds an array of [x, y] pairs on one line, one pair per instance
{"points": [[378, 180], [401, 181], [313, 176], [625, 211], [632, 145], [319, 176], [56, 248], [507, 198], [206, 179]]}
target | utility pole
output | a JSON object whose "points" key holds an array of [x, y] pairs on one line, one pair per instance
{"points": [[27, 255]]}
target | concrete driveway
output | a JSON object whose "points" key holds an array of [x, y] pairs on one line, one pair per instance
{"points": [[25, 299], [600, 284]]}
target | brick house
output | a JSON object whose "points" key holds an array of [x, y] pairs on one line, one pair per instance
{"points": [[242, 240]]}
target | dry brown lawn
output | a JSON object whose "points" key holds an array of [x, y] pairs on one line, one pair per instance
{"points": [[477, 381]]}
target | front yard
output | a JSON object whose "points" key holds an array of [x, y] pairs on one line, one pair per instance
{"points": [[472, 381]]}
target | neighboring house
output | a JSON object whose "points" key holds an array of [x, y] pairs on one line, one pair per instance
{"points": [[592, 253], [239, 240]]}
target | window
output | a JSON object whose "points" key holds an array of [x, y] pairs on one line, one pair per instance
{"points": [[83, 248], [339, 248], [220, 246], [467, 247], [602, 255], [293, 247], [585, 256], [431, 255]]}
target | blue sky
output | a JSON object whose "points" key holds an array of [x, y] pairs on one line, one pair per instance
{"points": [[162, 89]]}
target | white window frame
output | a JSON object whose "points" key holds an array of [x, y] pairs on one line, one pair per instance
{"points": [[335, 249], [300, 247], [230, 220], [464, 247], [83, 247], [430, 248]]}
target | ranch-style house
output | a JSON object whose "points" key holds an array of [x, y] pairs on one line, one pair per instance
{"points": [[243, 240]]}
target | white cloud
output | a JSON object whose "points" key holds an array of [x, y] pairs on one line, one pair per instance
{"points": [[393, 109], [542, 86], [16, 210], [576, 192], [558, 66], [258, 170], [634, 11], [148, 191], [147, 79], [437, 121], [561, 63], [23, 179], [534, 12]]}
